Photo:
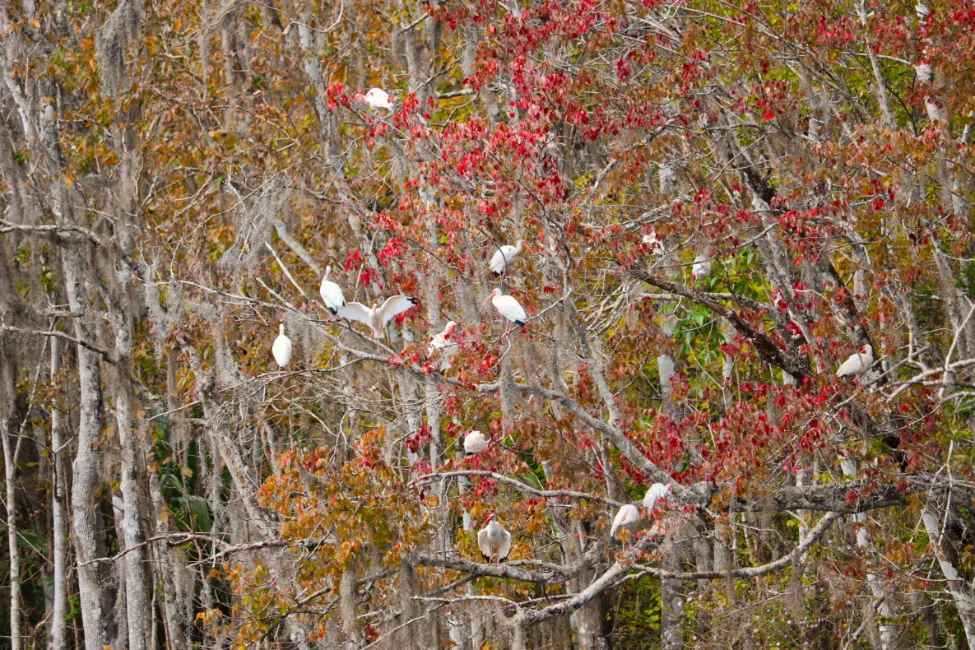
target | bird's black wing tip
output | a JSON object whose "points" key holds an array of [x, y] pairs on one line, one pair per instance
{"points": [[496, 274], [486, 558], [520, 323], [414, 301], [334, 311]]}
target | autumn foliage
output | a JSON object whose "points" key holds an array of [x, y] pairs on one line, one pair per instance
{"points": [[720, 202]]}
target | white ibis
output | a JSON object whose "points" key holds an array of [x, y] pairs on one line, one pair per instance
{"points": [[475, 443], [655, 493], [443, 342], [857, 364], [508, 307], [702, 266], [378, 98], [504, 256], [377, 317], [282, 348], [655, 244], [494, 540], [924, 72], [627, 517], [332, 294], [922, 10]]}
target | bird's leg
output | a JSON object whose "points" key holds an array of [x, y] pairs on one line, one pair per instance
{"points": [[507, 327]]}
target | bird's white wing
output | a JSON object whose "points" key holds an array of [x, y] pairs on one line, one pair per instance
{"points": [[447, 350], [497, 262], [282, 350], [701, 268], [484, 544], [846, 368], [378, 98], [438, 342], [656, 245], [656, 492], [853, 365], [627, 516], [505, 547], [332, 295], [475, 443], [511, 309], [394, 306], [650, 498], [356, 311], [503, 258], [617, 521]]}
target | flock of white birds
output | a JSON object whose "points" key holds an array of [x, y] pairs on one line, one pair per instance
{"points": [[494, 541], [375, 317]]}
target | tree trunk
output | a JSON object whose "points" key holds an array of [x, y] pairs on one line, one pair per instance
{"points": [[347, 607], [879, 606], [58, 636], [10, 453], [173, 626], [672, 601], [592, 623], [137, 599], [960, 592], [94, 588]]}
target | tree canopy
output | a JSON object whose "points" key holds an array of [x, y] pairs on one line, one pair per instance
{"points": [[716, 204]]}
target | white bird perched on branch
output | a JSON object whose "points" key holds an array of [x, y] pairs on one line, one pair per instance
{"points": [[655, 244], [857, 364], [332, 294], [504, 256], [627, 517], [475, 442], [494, 541], [377, 317], [508, 307], [921, 10], [442, 342], [655, 493], [281, 349], [924, 72], [378, 98], [702, 266]]}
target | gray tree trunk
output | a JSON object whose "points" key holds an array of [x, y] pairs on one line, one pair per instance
{"points": [[671, 601], [10, 453], [58, 635], [95, 590], [960, 592], [138, 604]]}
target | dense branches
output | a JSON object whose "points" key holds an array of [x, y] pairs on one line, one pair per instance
{"points": [[719, 204]]}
